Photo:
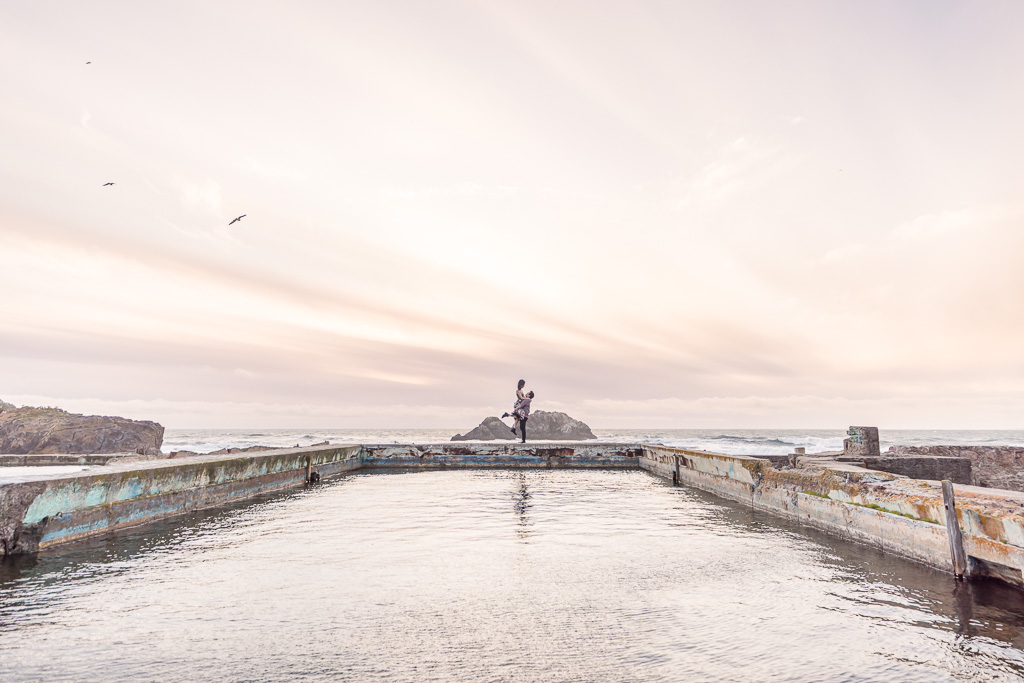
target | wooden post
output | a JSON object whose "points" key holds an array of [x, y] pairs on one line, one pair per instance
{"points": [[309, 466], [956, 538]]}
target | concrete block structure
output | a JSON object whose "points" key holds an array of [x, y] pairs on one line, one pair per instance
{"points": [[902, 515]]}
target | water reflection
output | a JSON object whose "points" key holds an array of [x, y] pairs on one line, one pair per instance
{"points": [[521, 505]]}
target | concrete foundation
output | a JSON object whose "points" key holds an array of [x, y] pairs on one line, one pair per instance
{"points": [[39, 512], [904, 516], [50, 459], [901, 515], [931, 467], [574, 455]]}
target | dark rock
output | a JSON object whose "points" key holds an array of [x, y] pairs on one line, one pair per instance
{"points": [[14, 503], [541, 425], [26, 431]]}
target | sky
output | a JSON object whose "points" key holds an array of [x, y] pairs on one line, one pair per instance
{"points": [[660, 214]]}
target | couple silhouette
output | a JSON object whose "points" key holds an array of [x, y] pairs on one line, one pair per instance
{"points": [[521, 409]]}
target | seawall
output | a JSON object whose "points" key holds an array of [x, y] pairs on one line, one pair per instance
{"points": [[996, 466], [39, 512], [903, 516], [572, 455]]}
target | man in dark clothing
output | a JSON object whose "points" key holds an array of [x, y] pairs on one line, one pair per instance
{"points": [[522, 413]]}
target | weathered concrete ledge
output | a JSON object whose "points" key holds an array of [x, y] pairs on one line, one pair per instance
{"points": [[901, 515], [904, 516], [38, 512], [50, 459], [43, 511], [573, 455]]}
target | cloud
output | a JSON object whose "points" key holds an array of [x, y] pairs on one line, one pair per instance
{"points": [[202, 195], [273, 171], [975, 411], [845, 254], [738, 166]]}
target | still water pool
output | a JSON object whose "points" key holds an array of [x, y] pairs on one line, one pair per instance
{"points": [[496, 576]]}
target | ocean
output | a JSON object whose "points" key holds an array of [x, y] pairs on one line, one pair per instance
{"points": [[728, 441]]}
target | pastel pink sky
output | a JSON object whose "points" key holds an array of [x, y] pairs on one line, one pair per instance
{"points": [[660, 214]]}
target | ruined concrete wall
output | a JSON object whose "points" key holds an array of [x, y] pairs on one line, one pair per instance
{"points": [[998, 467], [582, 455], [901, 515], [41, 512], [51, 459], [863, 442], [933, 467]]}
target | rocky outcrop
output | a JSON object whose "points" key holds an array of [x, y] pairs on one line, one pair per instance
{"points": [[488, 430], [25, 431], [998, 467], [541, 425], [15, 537]]}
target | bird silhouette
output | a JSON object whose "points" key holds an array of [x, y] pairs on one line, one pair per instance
{"points": [[88, 62], [237, 219], [105, 184]]}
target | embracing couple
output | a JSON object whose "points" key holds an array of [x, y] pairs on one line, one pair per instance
{"points": [[521, 409]]}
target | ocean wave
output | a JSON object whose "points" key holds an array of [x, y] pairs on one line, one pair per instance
{"points": [[730, 442]]}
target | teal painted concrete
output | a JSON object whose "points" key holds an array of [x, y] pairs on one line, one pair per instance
{"points": [[42, 512], [37, 512]]}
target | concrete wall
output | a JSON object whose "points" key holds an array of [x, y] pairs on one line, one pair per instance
{"points": [[576, 455], [933, 467], [50, 459], [903, 516], [40, 512], [1000, 467]]}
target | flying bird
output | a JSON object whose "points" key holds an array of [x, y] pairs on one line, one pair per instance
{"points": [[105, 184], [88, 62], [237, 219]]}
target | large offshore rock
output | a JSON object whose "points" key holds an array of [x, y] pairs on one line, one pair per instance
{"points": [[26, 431], [541, 425]]}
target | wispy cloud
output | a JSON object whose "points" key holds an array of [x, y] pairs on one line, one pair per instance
{"points": [[201, 195]]}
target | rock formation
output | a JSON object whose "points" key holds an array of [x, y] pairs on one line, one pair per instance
{"points": [[541, 425], [26, 431]]}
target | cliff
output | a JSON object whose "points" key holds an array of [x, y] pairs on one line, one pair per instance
{"points": [[26, 431]]}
